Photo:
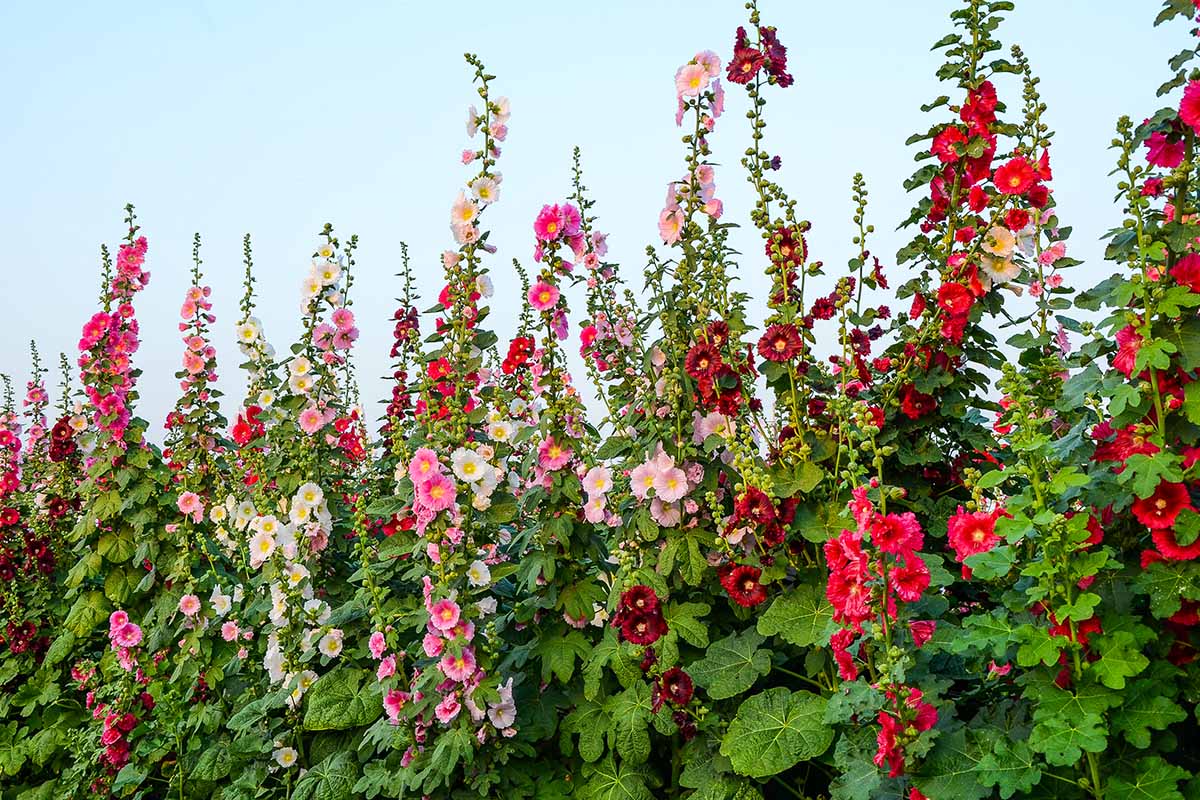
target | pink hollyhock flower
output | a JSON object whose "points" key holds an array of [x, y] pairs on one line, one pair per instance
{"points": [[189, 604], [572, 221], [670, 225], [190, 505], [377, 644], [691, 80], [665, 514], [343, 318], [311, 420], [543, 296], [127, 635], [393, 702], [1163, 152], [642, 478], [229, 631], [447, 710], [1189, 107], [444, 615], [433, 645], [710, 61], [437, 492], [458, 667], [387, 668], [424, 464], [593, 510], [116, 619], [670, 484], [552, 455], [548, 225]]}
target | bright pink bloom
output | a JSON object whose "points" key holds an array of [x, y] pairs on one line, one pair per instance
{"points": [[437, 493], [444, 615], [543, 296], [458, 667]]}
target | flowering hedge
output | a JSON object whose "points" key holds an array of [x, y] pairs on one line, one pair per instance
{"points": [[934, 564]]}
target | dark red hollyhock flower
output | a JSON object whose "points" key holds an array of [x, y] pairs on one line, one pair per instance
{"points": [[1016, 176], [677, 686], [955, 299], [746, 61], [643, 628], [780, 343], [787, 246], [1159, 510], [754, 504], [639, 599], [741, 582], [915, 404], [717, 333], [776, 57], [823, 308], [1186, 272], [702, 360], [943, 144]]}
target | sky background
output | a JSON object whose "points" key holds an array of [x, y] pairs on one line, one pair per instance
{"points": [[272, 118]]}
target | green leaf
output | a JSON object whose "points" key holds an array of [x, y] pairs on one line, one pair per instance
{"points": [[607, 781], [1064, 739], [1168, 584], [1144, 710], [799, 617], [12, 750], [950, 770], [558, 654], [213, 764], [631, 712], [89, 610], [1120, 659], [590, 721], [1009, 765], [332, 779], [131, 775], [775, 730], [335, 702], [732, 665], [1154, 779]]}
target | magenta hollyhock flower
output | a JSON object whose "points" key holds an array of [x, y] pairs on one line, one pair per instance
{"points": [[387, 668], [1189, 107], [458, 667], [437, 492], [393, 702], [127, 635], [543, 296], [549, 224], [572, 220], [552, 455], [444, 615], [424, 464]]}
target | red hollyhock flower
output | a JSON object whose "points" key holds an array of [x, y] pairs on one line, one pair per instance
{"points": [[840, 643], [746, 61], [1159, 510], [776, 57], [922, 631], [754, 504], [915, 404], [1129, 342], [643, 628], [639, 599], [1189, 107], [702, 360], [1171, 549], [955, 299], [786, 246], [971, 534], [677, 686], [943, 144], [897, 533], [741, 582], [780, 343], [910, 579], [1016, 176], [1186, 272]]}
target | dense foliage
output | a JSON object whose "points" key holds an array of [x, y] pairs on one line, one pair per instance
{"points": [[936, 564]]}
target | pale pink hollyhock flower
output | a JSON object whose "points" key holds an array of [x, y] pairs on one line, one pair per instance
{"points": [[447, 710], [437, 492], [311, 420], [670, 225], [190, 505], [665, 514], [593, 510], [189, 604], [458, 667], [718, 104], [433, 645], [691, 80], [444, 614], [242, 653], [710, 61], [229, 631], [597, 481], [424, 463], [600, 243], [641, 479], [387, 668], [543, 296], [377, 644], [552, 455], [670, 484], [450, 258], [714, 208], [468, 156]]}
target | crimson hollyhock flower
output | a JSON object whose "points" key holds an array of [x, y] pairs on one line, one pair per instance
{"points": [[677, 686], [643, 628], [780, 343], [1016, 176], [1186, 272], [702, 360], [776, 57], [955, 299], [746, 61], [980, 109], [944, 142], [1129, 342], [787, 246], [1170, 548], [915, 404], [639, 599], [922, 631], [910, 579], [971, 534], [897, 533], [741, 582], [755, 505], [1189, 106], [1159, 510], [1165, 150]]}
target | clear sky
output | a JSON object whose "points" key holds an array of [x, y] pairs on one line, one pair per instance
{"points": [[274, 117]]}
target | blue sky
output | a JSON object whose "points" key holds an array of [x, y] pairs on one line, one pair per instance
{"points": [[275, 117]]}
